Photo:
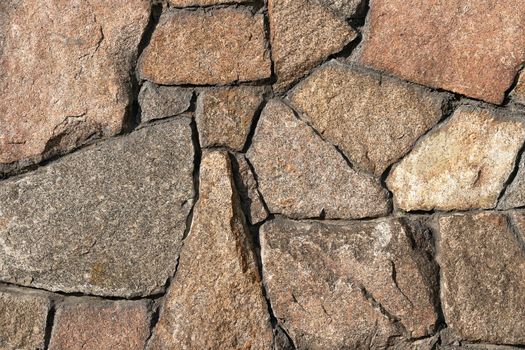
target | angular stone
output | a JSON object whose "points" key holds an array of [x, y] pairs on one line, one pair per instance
{"points": [[374, 120], [65, 72], [23, 318], [106, 220], [303, 34], [462, 164], [302, 176], [518, 94], [514, 196], [483, 277], [214, 47], [474, 49], [344, 8], [215, 300], [249, 193], [157, 102], [188, 3], [224, 115], [101, 325], [349, 285]]}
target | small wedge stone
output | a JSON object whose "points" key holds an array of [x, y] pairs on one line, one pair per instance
{"points": [[157, 102], [249, 193]]}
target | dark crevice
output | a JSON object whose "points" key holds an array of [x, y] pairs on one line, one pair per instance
{"points": [[49, 324], [516, 233], [155, 316], [253, 126], [508, 93]]}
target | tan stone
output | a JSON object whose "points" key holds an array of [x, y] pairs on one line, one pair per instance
{"points": [[374, 120], [301, 176], [224, 115], [23, 317], [472, 48], [248, 191], [206, 47], [518, 94], [349, 285], [65, 72], [462, 164], [188, 3], [101, 325], [344, 8], [215, 300], [303, 34], [514, 196], [483, 277]]}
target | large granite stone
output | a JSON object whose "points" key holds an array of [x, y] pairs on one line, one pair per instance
{"points": [[462, 164], [65, 72], [157, 102], [215, 300], [303, 33], [349, 285], [206, 47], [302, 176], [373, 119], [23, 318], [472, 48], [483, 276], [224, 115], [101, 325], [107, 220]]}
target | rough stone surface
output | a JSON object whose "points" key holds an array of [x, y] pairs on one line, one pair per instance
{"points": [[462, 164], [215, 300], [106, 220], [214, 47], [472, 48], [483, 276], [303, 34], [374, 120], [157, 102], [249, 193], [101, 325], [302, 176], [349, 285], [514, 196], [23, 317], [65, 72], [518, 94], [188, 3], [224, 115], [344, 8]]}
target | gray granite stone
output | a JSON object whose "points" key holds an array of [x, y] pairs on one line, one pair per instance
{"points": [[157, 102]]}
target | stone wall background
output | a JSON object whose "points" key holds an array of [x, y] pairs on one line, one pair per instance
{"points": [[289, 174]]}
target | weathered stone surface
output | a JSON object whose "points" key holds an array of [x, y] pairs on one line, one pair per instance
{"points": [[374, 120], [303, 34], [213, 47], [483, 277], [157, 102], [518, 94], [101, 325], [302, 176], [215, 300], [106, 220], [249, 193], [187, 3], [224, 115], [349, 285], [23, 317], [462, 164], [514, 196], [471, 48], [65, 72], [345, 8]]}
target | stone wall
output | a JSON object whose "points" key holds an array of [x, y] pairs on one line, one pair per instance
{"points": [[281, 174]]}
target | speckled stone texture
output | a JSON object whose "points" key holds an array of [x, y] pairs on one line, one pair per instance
{"points": [[483, 276], [23, 319], [373, 119], [106, 220], [472, 48], [157, 102], [101, 325], [65, 72], [216, 300], [215, 47], [302, 176], [349, 285], [303, 33], [462, 164]]}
